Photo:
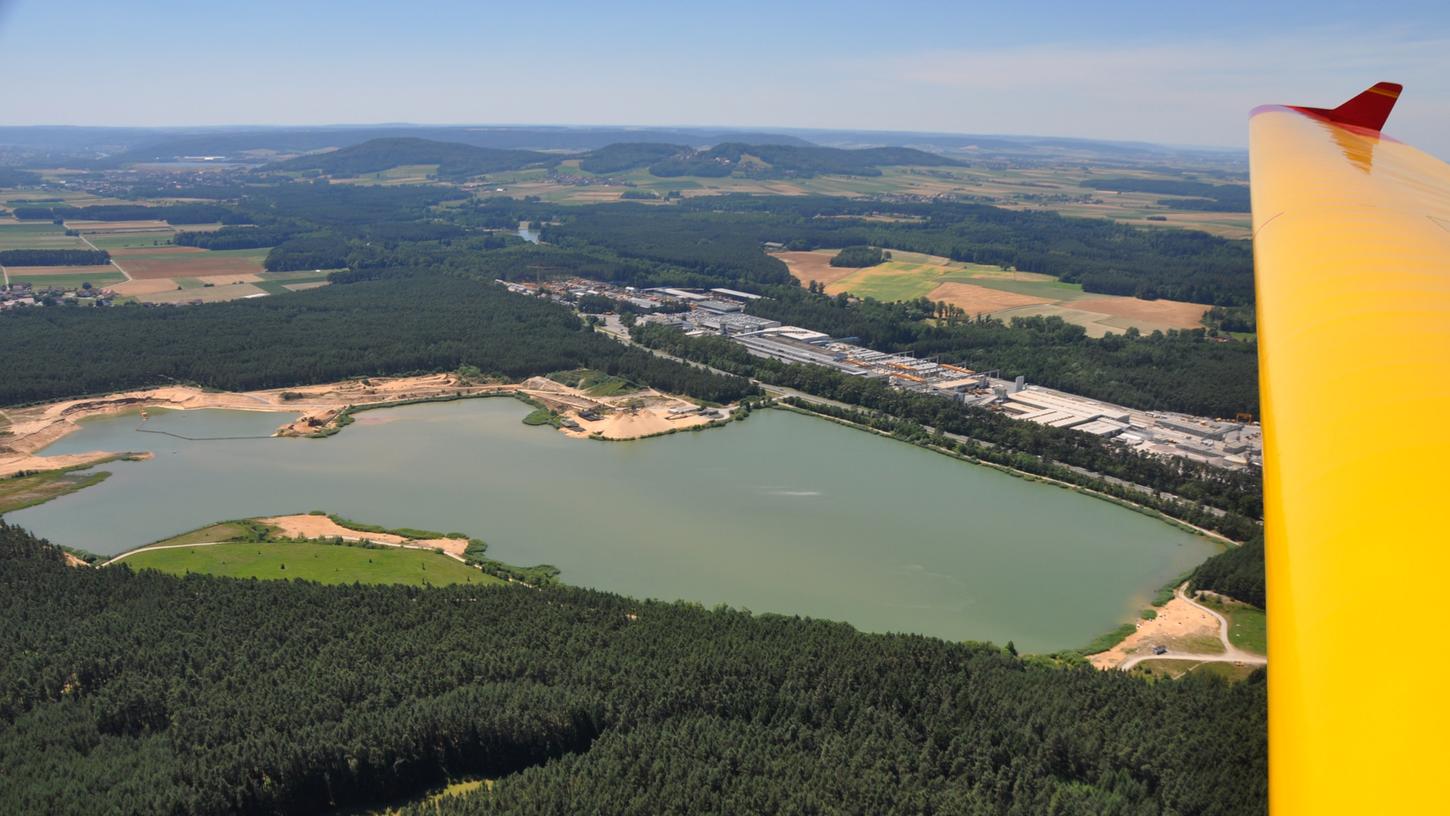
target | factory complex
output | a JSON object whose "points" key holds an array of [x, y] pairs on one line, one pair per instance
{"points": [[721, 312]]}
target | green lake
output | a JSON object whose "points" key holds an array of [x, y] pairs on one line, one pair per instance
{"points": [[779, 513]]}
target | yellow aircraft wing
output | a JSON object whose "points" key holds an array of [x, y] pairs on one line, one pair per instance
{"points": [[1352, 257]]}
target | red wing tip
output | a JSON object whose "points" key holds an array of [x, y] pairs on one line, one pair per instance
{"points": [[1368, 110]]}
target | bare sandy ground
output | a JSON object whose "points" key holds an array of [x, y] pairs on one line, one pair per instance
{"points": [[1171, 313], [1177, 620], [305, 526], [627, 416], [981, 299], [152, 286], [815, 266]]}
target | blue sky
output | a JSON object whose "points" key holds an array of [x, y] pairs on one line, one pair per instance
{"points": [[1173, 72]]}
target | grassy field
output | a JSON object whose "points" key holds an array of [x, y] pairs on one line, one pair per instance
{"points": [[324, 563], [402, 174], [37, 235], [1247, 625], [102, 276], [133, 240], [19, 492], [1053, 187]]}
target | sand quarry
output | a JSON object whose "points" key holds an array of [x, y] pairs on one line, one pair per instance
{"points": [[644, 412], [322, 527], [1177, 621]]}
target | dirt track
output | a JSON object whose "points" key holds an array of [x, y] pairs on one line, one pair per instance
{"points": [[1179, 619]]}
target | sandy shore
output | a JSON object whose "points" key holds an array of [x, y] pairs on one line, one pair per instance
{"points": [[1177, 621], [308, 526], [640, 413]]}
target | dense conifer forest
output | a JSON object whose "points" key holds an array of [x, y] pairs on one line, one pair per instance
{"points": [[145, 693], [1101, 255], [1237, 573], [399, 322], [54, 257]]}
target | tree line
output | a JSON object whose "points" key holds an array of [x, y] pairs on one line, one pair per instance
{"points": [[388, 322], [54, 257], [1237, 573], [170, 213], [147, 693]]}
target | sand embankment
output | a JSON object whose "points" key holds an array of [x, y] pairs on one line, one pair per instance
{"points": [[315, 527]]}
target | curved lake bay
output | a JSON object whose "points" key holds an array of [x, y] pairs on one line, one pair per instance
{"points": [[780, 513]]}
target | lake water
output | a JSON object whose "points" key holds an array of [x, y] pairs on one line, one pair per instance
{"points": [[779, 513]]}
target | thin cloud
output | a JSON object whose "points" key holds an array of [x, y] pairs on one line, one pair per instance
{"points": [[1184, 92]]}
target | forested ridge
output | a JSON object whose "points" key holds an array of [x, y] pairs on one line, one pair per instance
{"points": [[1101, 255], [145, 693], [454, 160], [397, 322], [790, 161]]}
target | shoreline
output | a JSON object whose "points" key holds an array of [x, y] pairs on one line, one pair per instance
{"points": [[325, 409], [317, 527]]}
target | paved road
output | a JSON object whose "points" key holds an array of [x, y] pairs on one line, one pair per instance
{"points": [[1231, 653]]}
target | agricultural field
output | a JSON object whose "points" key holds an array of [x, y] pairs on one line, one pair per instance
{"points": [[144, 263], [37, 235], [65, 277], [216, 288], [1001, 293], [1055, 188], [402, 174], [308, 561], [131, 239]]}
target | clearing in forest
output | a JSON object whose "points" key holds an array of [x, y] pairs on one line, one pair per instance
{"points": [[142, 263], [990, 290]]}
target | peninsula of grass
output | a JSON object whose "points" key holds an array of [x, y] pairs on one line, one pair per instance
{"points": [[311, 561], [27, 489]]}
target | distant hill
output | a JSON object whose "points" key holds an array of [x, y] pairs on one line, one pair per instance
{"points": [[629, 155], [454, 160], [121, 146], [785, 161]]}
